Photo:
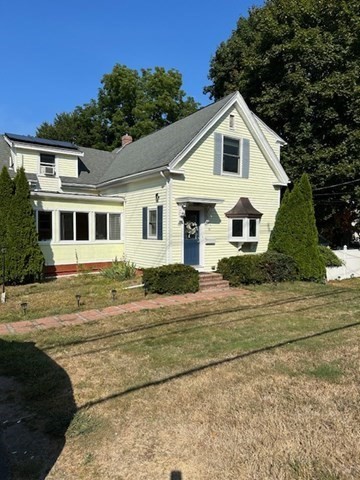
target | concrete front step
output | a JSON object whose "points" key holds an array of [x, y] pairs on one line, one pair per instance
{"points": [[212, 281]]}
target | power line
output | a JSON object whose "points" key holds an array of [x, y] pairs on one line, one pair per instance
{"points": [[336, 185]]}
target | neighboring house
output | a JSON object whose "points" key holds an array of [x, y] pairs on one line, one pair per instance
{"points": [[205, 187]]}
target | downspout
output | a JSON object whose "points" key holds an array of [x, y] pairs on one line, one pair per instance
{"points": [[168, 189]]}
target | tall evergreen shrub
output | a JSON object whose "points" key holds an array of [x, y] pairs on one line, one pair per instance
{"points": [[25, 261], [6, 195], [295, 233]]}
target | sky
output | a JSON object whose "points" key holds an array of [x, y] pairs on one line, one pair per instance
{"points": [[54, 53]]}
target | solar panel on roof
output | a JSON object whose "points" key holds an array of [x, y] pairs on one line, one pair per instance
{"points": [[40, 141]]}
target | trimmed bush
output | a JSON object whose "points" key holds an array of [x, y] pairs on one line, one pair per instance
{"points": [[257, 269], [278, 267], [329, 257], [176, 278], [295, 233], [242, 270]]}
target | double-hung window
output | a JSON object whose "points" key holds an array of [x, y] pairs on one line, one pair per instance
{"points": [[152, 222], [74, 226], [107, 226], [231, 155], [47, 164]]}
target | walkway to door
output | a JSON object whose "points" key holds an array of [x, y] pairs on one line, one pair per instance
{"points": [[27, 326]]}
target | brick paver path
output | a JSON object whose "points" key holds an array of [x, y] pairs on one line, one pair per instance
{"points": [[86, 316]]}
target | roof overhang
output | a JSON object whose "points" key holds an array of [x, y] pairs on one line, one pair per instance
{"points": [[43, 148], [199, 201], [76, 197], [243, 209]]}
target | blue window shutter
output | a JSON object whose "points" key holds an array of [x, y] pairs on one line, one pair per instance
{"points": [[144, 222], [160, 222], [217, 153], [245, 158]]}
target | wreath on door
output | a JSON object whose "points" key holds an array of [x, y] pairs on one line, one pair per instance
{"points": [[191, 228]]}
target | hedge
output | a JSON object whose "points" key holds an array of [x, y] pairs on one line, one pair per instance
{"points": [[257, 269], [176, 278]]}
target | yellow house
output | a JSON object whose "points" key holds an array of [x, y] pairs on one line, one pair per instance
{"points": [[205, 187]]}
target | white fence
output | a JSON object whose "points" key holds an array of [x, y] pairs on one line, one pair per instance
{"points": [[351, 267]]}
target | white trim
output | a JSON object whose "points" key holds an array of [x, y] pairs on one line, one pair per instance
{"points": [[254, 129], [152, 209], [202, 132], [43, 148], [200, 200], [246, 230], [279, 140], [134, 176], [69, 196]]}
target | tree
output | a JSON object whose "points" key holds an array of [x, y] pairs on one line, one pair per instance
{"points": [[297, 64], [137, 103], [6, 192], [25, 260], [295, 233]]}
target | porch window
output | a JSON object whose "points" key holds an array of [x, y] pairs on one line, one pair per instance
{"points": [[74, 226], [107, 226], [44, 225]]}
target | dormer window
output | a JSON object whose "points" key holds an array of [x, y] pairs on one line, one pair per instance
{"points": [[47, 164]]}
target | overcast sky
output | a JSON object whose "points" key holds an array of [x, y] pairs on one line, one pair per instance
{"points": [[54, 53]]}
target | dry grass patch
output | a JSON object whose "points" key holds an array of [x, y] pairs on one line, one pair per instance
{"points": [[56, 297], [264, 386]]}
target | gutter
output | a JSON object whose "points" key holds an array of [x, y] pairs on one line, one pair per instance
{"points": [[68, 196]]}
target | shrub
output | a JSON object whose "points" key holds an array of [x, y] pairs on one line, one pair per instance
{"points": [[329, 257], [176, 278], [278, 267], [119, 271], [242, 270], [256, 269]]}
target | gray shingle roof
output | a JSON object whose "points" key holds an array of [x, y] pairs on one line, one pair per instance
{"points": [[151, 152], [160, 148]]}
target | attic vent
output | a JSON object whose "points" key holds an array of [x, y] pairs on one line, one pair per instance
{"points": [[232, 121]]}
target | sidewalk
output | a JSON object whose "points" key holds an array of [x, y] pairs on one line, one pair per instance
{"points": [[27, 326]]}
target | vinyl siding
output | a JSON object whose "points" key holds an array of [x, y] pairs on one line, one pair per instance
{"points": [[143, 252], [49, 184], [200, 181], [60, 253], [66, 165]]}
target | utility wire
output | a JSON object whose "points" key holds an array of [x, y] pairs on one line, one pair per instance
{"points": [[336, 185]]}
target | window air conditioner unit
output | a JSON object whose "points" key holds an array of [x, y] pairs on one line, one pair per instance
{"points": [[49, 170]]}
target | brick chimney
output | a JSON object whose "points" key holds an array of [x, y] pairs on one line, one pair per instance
{"points": [[125, 140]]}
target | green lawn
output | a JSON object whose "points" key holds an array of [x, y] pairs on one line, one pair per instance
{"points": [[261, 386]]}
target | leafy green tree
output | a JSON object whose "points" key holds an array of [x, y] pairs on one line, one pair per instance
{"points": [[137, 103], [295, 233], [297, 64], [25, 260]]}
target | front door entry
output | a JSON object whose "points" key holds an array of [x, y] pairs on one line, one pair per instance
{"points": [[192, 237]]}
